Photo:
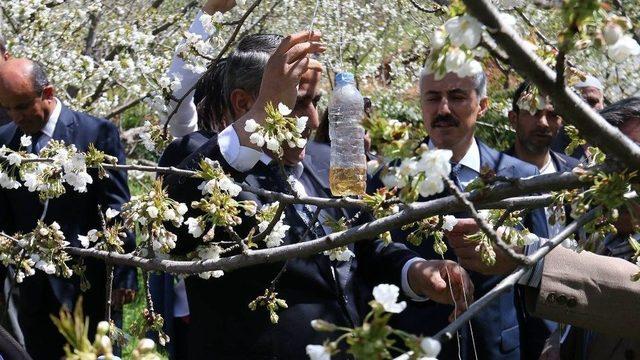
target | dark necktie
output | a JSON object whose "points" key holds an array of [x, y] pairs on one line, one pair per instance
{"points": [[37, 142], [301, 210], [455, 172]]}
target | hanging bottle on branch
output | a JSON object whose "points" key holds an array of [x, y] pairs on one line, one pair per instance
{"points": [[347, 174]]}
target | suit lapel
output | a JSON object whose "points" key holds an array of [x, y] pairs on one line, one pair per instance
{"points": [[493, 159], [65, 129], [11, 137]]}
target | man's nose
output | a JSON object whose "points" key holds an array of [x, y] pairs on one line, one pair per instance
{"points": [[443, 107], [543, 122]]}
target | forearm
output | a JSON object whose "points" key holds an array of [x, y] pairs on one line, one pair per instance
{"points": [[587, 290]]}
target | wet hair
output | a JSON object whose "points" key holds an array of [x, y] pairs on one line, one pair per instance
{"points": [[620, 112], [243, 69], [522, 88]]}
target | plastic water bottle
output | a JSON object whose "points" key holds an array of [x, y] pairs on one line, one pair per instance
{"points": [[348, 171]]}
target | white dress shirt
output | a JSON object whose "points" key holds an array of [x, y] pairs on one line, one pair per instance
{"points": [[185, 120], [469, 164], [49, 127], [244, 159]]}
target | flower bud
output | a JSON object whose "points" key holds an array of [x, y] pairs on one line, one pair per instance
{"points": [[146, 346], [430, 346], [103, 328], [612, 32], [322, 325]]}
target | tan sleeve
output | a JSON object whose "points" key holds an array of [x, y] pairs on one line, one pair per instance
{"points": [[589, 291]]}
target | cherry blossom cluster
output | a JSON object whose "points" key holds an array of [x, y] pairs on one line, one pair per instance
{"points": [[373, 338], [154, 137], [218, 206], [41, 249], [64, 165], [148, 213], [265, 216], [278, 129], [421, 175]]}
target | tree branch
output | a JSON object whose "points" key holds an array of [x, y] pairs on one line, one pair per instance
{"points": [[508, 282], [484, 226], [412, 213], [214, 62], [591, 125]]}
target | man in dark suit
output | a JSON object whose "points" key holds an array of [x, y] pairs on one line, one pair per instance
{"points": [[4, 56], [314, 287], [450, 108], [30, 102]]}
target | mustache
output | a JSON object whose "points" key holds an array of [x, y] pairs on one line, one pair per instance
{"points": [[445, 119]]}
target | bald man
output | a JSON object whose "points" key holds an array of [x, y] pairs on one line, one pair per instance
{"points": [[29, 99]]}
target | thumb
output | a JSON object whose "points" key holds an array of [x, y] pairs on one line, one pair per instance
{"points": [[438, 281]]}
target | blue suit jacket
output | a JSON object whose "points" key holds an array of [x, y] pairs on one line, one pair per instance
{"points": [[496, 329], [76, 213]]}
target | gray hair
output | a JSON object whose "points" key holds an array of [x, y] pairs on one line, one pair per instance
{"points": [[618, 113], [245, 65], [39, 78], [479, 82]]}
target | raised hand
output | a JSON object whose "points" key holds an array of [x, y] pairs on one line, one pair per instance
{"points": [[213, 6], [287, 65]]}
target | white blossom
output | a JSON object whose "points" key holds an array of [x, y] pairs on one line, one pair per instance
{"points": [[387, 296], [152, 211], [623, 48], [14, 159], [257, 138], [112, 213], [340, 254], [450, 222], [8, 182], [301, 123], [464, 30], [195, 228], [431, 347], [318, 352], [251, 126], [25, 140], [284, 109], [273, 144]]}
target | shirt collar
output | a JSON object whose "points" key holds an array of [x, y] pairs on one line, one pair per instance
{"points": [[297, 169], [471, 159], [50, 126], [549, 167]]}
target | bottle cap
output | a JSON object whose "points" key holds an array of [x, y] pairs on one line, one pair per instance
{"points": [[344, 78]]}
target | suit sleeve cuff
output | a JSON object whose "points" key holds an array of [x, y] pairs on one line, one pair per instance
{"points": [[241, 158], [533, 276], [406, 288]]}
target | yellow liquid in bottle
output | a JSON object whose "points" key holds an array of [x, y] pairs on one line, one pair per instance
{"points": [[347, 181]]}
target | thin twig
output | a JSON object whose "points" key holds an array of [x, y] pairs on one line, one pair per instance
{"points": [[213, 63], [508, 282], [484, 226]]}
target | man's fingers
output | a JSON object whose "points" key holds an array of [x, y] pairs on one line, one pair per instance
{"points": [[438, 282], [315, 65], [465, 226], [297, 38], [459, 240], [303, 49]]}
